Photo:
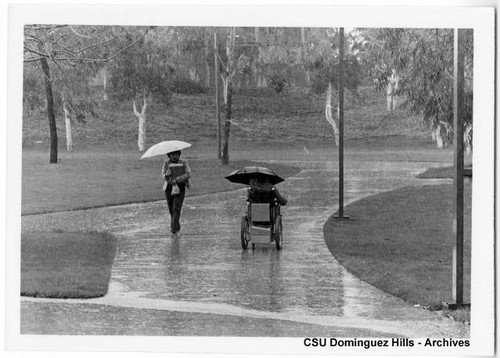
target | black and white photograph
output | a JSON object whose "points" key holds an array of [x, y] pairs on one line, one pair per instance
{"points": [[250, 179]]}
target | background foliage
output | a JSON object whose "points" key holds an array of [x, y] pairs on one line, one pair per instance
{"points": [[100, 69]]}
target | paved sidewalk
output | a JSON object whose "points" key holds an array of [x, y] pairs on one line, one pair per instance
{"points": [[203, 284]]}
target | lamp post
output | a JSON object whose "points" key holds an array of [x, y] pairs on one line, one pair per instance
{"points": [[458, 163], [341, 125]]}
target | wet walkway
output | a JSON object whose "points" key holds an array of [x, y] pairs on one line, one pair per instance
{"points": [[203, 284]]}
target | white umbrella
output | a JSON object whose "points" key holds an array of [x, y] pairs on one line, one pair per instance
{"points": [[165, 147]]}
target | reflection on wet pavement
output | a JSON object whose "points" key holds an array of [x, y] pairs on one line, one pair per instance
{"points": [[204, 270]]}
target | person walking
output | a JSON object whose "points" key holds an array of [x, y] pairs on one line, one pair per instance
{"points": [[177, 174]]}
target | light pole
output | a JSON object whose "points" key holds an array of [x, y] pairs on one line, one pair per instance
{"points": [[341, 125], [458, 163]]}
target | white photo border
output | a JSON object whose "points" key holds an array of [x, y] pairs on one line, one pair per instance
{"points": [[479, 19]]}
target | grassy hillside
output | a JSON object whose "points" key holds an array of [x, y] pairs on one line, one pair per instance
{"points": [[258, 115]]}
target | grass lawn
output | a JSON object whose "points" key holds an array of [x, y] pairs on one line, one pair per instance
{"points": [[258, 116], [78, 265], [400, 242], [93, 178], [444, 172], [66, 264]]}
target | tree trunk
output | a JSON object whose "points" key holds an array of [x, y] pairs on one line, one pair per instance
{"points": [[50, 111], [328, 113], [304, 49], [208, 76], [260, 78], [141, 138], [67, 120], [468, 139], [439, 137], [228, 95], [216, 85], [256, 62], [142, 133], [392, 88], [193, 74], [105, 83]]}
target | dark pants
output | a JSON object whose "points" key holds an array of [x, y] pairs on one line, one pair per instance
{"points": [[174, 203]]}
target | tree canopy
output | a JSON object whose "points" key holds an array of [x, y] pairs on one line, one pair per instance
{"points": [[155, 62], [424, 60]]}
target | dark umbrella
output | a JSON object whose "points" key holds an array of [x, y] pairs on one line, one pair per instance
{"points": [[243, 175]]}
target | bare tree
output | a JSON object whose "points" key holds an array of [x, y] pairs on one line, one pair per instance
{"points": [[227, 84], [321, 60], [328, 113], [141, 116], [144, 74], [392, 90], [67, 121], [50, 110], [67, 48]]}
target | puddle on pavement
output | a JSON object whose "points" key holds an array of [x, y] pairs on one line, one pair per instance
{"points": [[206, 264]]}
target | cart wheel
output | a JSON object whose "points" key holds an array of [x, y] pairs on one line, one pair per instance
{"points": [[244, 232], [278, 234]]}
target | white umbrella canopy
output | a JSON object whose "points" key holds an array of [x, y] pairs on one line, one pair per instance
{"points": [[165, 147]]}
